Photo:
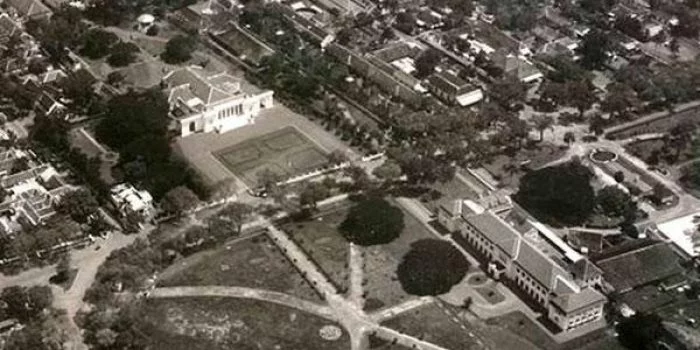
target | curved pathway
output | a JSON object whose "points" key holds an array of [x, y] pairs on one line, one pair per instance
{"points": [[245, 293]]}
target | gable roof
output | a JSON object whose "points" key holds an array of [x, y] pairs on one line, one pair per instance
{"points": [[29, 8], [575, 301], [639, 265], [192, 81], [543, 269], [496, 230]]}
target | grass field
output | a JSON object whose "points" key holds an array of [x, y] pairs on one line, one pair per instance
{"points": [[434, 325], [250, 262], [285, 152], [225, 323], [323, 243], [381, 262]]}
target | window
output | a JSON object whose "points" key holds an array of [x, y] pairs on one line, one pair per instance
{"points": [[192, 127]]}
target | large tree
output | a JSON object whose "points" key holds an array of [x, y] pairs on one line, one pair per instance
{"points": [[122, 54], [179, 200], [80, 205], [615, 202], [97, 43], [236, 213], [619, 100], [372, 221], [431, 267], [641, 331], [427, 61], [179, 49], [559, 195], [594, 49]]}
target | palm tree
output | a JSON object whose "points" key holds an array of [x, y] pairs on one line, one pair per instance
{"points": [[542, 123]]}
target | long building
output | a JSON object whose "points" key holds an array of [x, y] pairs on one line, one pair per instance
{"points": [[534, 259]]}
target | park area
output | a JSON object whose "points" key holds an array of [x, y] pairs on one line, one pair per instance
{"points": [[285, 152], [383, 287], [320, 239], [253, 262], [227, 323], [437, 324]]}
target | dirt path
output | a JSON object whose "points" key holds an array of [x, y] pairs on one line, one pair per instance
{"points": [[245, 293]]}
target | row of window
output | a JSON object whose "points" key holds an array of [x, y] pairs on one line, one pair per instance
{"points": [[235, 110]]}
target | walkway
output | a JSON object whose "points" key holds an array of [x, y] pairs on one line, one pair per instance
{"points": [[245, 293]]}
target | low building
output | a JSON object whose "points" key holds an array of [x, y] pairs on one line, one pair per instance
{"points": [[517, 67], [29, 9], [638, 263], [31, 197], [536, 261], [204, 102], [454, 90], [129, 200]]}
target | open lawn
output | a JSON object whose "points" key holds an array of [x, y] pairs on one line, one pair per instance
{"points": [[224, 323], [508, 169], [666, 153], [247, 262], [323, 243], [285, 152], [383, 287], [433, 324]]}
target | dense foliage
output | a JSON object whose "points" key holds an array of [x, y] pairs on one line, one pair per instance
{"points": [[641, 331], [372, 221], [136, 125], [431, 267], [558, 195], [178, 49]]}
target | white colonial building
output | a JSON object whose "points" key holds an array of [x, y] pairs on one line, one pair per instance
{"points": [[534, 259], [129, 200], [204, 102]]}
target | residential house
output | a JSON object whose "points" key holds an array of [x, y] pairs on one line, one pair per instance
{"points": [[29, 9], [128, 200], [454, 90], [204, 102], [516, 66], [535, 260], [638, 263], [31, 197]]}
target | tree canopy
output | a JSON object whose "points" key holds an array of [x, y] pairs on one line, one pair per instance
{"points": [[594, 49], [136, 125], [431, 267], [558, 195], [97, 43], [179, 49], [79, 205], [641, 331], [122, 54], [372, 221]]}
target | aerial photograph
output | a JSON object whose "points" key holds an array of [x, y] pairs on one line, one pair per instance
{"points": [[350, 174]]}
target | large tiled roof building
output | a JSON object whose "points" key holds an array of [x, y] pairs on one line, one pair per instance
{"points": [[535, 260]]}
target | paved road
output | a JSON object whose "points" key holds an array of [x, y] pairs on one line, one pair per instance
{"points": [[356, 263]]}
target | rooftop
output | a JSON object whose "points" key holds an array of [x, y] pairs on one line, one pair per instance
{"points": [[638, 263], [496, 230], [574, 301]]}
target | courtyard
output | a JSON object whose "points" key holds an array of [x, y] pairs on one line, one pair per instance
{"points": [[279, 140], [285, 152]]}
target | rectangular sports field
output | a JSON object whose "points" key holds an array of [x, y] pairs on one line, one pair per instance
{"points": [[285, 152]]}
